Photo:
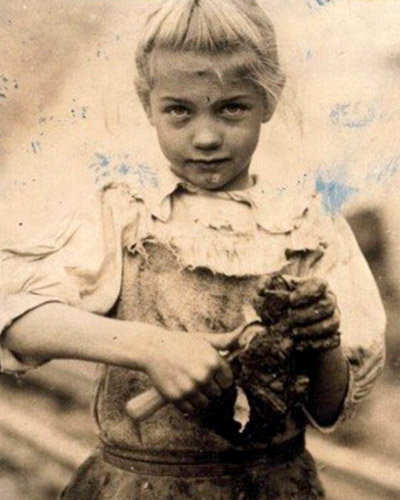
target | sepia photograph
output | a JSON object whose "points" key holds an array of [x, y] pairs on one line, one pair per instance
{"points": [[199, 250]]}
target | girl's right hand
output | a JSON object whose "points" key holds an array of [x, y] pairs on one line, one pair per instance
{"points": [[187, 369]]}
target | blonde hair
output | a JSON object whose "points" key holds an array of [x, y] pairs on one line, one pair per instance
{"points": [[214, 27]]}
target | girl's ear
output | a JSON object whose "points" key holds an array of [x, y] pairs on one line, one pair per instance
{"points": [[267, 115], [268, 110], [271, 101], [144, 96], [148, 111]]}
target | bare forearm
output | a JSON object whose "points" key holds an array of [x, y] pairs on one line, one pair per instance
{"points": [[185, 369], [59, 331], [328, 372]]}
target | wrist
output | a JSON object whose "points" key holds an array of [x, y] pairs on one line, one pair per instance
{"points": [[329, 380], [135, 346], [313, 361]]}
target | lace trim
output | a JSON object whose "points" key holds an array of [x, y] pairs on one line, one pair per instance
{"points": [[365, 366], [226, 235]]}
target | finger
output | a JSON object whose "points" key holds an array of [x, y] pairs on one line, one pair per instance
{"points": [[323, 309], [264, 283], [307, 291], [319, 344], [321, 329], [224, 341], [223, 376], [212, 390], [185, 407], [199, 400], [326, 296]]}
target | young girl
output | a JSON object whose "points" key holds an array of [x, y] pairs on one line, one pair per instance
{"points": [[155, 283]]}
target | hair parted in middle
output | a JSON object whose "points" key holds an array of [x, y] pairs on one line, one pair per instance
{"points": [[214, 27]]}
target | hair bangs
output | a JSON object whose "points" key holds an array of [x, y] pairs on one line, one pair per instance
{"points": [[202, 26]]}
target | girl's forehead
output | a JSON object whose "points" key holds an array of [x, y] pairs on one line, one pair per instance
{"points": [[170, 66]]}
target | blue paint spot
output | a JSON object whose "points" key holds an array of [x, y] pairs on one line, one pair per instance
{"points": [[146, 175], [335, 193], [101, 167], [353, 115], [124, 169], [382, 174], [104, 161], [312, 4], [107, 166]]}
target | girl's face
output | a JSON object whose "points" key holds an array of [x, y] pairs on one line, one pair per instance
{"points": [[207, 118]]}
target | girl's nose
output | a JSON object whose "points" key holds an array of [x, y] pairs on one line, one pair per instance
{"points": [[207, 136]]}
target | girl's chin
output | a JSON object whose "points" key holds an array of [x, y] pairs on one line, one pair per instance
{"points": [[209, 180], [215, 179], [212, 180]]}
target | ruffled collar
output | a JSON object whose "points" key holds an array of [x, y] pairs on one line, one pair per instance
{"points": [[276, 209]]}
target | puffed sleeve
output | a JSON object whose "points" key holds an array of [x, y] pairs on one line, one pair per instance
{"points": [[75, 261], [363, 319]]}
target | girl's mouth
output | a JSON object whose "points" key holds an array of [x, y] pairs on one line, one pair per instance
{"points": [[209, 164]]}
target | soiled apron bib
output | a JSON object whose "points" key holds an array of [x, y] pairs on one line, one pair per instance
{"points": [[169, 456]]}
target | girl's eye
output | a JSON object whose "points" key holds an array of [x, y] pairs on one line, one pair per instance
{"points": [[177, 111], [234, 110]]}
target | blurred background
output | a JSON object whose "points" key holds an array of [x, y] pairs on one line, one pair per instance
{"points": [[70, 120]]}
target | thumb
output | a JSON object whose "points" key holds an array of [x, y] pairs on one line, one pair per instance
{"points": [[307, 291], [224, 341]]}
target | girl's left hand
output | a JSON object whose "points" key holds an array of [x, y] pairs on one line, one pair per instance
{"points": [[314, 315]]}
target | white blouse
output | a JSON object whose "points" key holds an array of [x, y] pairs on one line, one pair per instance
{"points": [[78, 260]]}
